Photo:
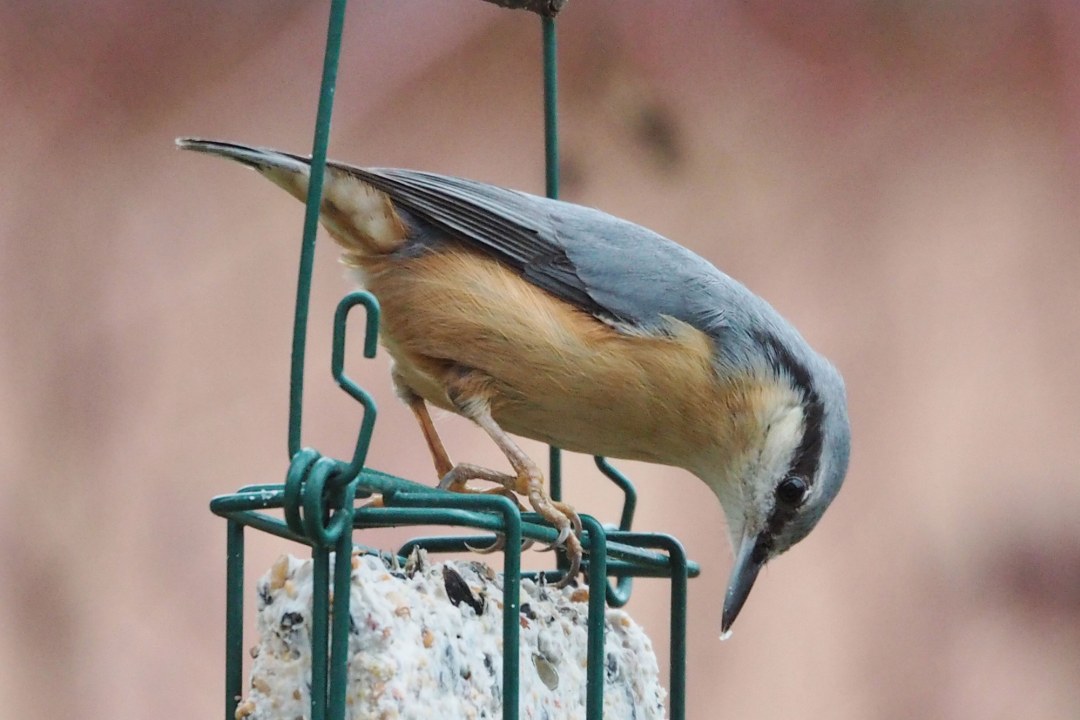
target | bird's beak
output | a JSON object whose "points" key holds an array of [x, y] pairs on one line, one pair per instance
{"points": [[742, 579]]}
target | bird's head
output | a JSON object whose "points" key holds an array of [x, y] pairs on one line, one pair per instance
{"points": [[791, 463]]}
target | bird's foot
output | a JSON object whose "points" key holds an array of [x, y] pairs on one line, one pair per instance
{"points": [[457, 481], [562, 516], [530, 485]]}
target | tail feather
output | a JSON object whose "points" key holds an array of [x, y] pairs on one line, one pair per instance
{"points": [[361, 219]]}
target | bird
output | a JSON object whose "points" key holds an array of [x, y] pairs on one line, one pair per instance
{"points": [[558, 322]]}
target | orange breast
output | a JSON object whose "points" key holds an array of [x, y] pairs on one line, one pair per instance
{"points": [[559, 375]]}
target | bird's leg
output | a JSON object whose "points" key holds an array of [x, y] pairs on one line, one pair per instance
{"points": [[530, 483], [443, 464], [455, 477], [467, 392], [451, 477]]}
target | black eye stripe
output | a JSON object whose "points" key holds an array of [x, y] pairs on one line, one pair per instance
{"points": [[807, 457], [804, 462]]}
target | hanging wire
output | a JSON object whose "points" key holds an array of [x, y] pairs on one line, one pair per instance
{"points": [[311, 219]]}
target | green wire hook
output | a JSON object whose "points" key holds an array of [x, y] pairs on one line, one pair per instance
{"points": [[337, 369]]}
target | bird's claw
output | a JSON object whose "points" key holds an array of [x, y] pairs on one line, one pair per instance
{"points": [[573, 554], [564, 533], [499, 544], [570, 528]]}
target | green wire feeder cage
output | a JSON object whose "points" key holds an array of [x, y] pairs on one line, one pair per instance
{"points": [[319, 503]]}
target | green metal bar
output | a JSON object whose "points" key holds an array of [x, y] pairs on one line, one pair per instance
{"points": [[551, 188], [646, 565], [624, 555], [626, 520], [241, 507], [619, 594], [623, 558], [640, 563], [311, 219], [265, 523], [278, 528], [551, 185], [320, 619], [380, 482], [555, 472], [594, 682], [339, 651], [679, 596], [680, 572], [299, 468], [551, 107], [234, 617], [260, 488], [264, 499], [313, 500], [512, 613]]}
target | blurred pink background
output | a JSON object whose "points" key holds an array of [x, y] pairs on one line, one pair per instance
{"points": [[900, 180]]}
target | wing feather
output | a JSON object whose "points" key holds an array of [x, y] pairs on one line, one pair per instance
{"points": [[609, 267]]}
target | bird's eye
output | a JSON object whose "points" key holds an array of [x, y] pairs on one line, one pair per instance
{"points": [[792, 491]]}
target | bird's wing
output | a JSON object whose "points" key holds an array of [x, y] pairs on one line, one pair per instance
{"points": [[502, 223], [609, 267], [618, 271]]}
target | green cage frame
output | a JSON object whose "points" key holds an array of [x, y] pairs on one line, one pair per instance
{"points": [[318, 499]]}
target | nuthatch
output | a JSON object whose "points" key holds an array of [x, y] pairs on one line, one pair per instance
{"points": [[567, 325]]}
